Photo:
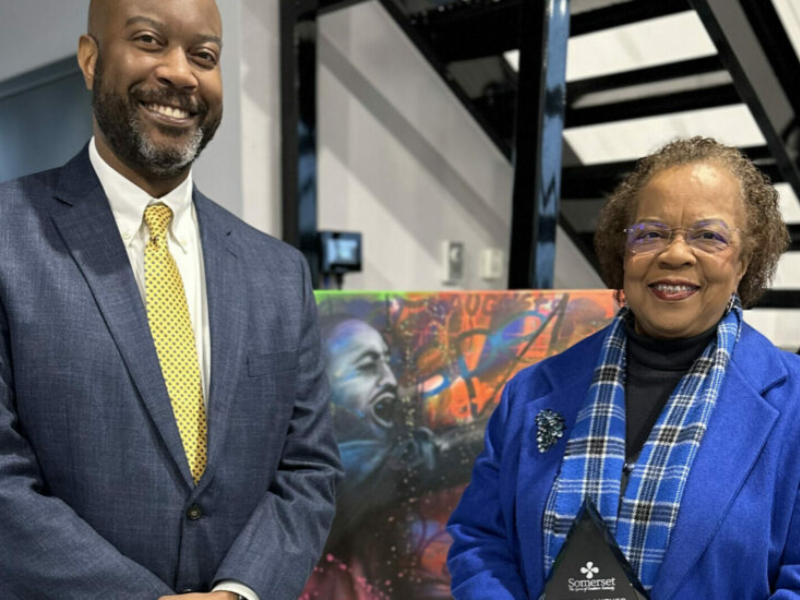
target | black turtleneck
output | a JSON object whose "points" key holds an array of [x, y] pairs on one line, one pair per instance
{"points": [[655, 367]]}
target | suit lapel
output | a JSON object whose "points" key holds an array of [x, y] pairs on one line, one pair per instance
{"points": [[87, 226], [538, 470], [226, 297], [728, 453]]}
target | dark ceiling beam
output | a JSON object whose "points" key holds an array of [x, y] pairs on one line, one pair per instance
{"points": [[772, 171], [593, 181], [326, 6], [479, 28], [685, 68], [710, 97], [464, 11], [794, 235], [586, 182], [742, 53], [757, 153], [624, 13], [474, 30], [779, 299]]}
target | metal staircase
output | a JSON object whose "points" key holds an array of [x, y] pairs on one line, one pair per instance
{"points": [[468, 42]]}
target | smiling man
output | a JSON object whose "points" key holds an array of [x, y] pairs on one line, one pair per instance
{"points": [[164, 424], [161, 103]]}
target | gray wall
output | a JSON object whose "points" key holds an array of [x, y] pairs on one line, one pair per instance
{"points": [[34, 33], [44, 119]]}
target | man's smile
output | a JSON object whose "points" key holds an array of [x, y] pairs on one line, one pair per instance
{"points": [[176, 115]]}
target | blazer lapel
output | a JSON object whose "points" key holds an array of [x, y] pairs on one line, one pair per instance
{"points": [[87, 226], [538, 471], [226, 296], [727, 455]]}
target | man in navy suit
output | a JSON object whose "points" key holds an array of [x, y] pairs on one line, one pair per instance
{"points": [[103, 494]]}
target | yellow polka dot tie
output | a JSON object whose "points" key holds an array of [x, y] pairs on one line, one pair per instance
{"points": [[168, 315]]}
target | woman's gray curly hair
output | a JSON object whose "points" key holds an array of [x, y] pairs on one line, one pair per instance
{"points": [[764, 238]]}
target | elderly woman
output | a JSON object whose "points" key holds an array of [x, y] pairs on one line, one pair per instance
{"points": [[680, 422]]}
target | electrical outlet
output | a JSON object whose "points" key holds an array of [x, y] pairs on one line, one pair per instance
{"points": [[491, 264]]}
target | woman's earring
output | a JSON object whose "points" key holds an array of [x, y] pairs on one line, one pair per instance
{"points": [[730, 304]]}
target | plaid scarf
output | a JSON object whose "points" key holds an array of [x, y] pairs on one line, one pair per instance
{"points": [[595, 453]]}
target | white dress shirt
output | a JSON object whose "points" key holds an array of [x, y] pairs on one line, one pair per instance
{"points": [[128, 202]]}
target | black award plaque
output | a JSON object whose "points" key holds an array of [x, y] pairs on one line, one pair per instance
{"points": [[590, 565]]}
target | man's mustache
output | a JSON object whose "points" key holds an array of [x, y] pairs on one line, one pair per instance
{"points": [[184, 101]]}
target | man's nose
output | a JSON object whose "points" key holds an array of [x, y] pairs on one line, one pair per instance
{"points": [[176, 70], [387, 375]]}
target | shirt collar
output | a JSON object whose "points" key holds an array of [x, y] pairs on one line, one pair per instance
{"points": [[128, 202]]}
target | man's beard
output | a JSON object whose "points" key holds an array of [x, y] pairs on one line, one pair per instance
{"points": [[122, 126]]}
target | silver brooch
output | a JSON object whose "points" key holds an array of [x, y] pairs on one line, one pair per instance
{"points": [[549, 429]]}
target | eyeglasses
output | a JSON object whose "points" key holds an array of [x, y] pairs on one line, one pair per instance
{"points": [[709, 237]]}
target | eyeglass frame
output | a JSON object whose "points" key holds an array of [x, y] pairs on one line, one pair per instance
{"points": [[671, 239]]}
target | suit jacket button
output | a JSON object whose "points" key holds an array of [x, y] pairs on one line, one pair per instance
{"points": [[194, 512], [187, 591]]}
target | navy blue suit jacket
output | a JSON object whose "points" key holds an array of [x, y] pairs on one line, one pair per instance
{"points": [[738, 530], [95, 489]]}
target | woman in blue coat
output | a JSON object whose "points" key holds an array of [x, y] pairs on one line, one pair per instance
{"points": [[678, 421]]}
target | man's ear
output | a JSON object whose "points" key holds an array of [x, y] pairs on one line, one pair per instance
{"points": [[87, 58]]}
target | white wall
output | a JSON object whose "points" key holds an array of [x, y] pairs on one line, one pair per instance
{"points": [[403, 162], [218, 172], [260, 114]]}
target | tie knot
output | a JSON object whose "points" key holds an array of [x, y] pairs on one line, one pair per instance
{"points": [[157, 217]]}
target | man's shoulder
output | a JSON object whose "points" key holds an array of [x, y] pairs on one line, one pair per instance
{"points": [[75, 177], [28, 187], [24, 200], [247, 238]]}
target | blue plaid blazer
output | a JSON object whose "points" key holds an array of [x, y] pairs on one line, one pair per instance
{"points": [[96, 497], [738, 529]]}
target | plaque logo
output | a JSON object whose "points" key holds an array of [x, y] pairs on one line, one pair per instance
{"points": [[590, 565], [590, 570]]}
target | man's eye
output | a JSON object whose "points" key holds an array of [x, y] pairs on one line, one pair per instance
{"points": [[207, 57], [367, 368], [147, 40]]}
